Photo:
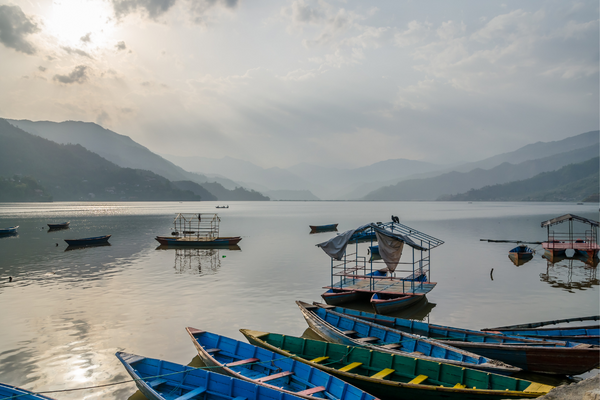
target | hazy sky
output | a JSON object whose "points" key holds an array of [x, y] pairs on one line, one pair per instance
{"points": [[328, 82]]}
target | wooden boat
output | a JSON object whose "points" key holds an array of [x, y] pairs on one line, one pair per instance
{"points": [[344, 329], [589, 334], [176, 241], [13, 392], [395, 376], [520, 254], [384, 303], [323, 228], [88, 241], [197, 230], [264, 367], [222, 207], [60, 225], [530, 354], [163, 380], [9, 231]]}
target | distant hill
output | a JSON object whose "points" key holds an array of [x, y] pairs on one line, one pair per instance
{"points": [[574, 182], [71, 172], [196, 189], [121, 150], [235, 194], [299, 195], [458, 182], [22, 189]]}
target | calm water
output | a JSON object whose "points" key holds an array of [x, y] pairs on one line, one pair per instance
{"points": [[67, 312]]}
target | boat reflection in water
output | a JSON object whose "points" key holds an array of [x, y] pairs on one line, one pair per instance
{"points": [[86, 246], [198, 260], [571, 274]]}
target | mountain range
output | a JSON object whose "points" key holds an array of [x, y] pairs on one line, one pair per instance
{"points": [[227, 178]]}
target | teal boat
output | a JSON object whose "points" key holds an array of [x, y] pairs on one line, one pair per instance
{"points": [[393, 376]]}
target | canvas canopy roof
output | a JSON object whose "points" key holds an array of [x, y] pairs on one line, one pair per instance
{"points": [[336, 246]]}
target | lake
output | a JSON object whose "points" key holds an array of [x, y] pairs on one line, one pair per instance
{"points": [[66, 312]]}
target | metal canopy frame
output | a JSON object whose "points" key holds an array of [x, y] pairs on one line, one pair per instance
{"points": [[197, 225]]}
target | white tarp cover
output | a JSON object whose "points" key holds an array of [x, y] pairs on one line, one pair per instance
{"points": [[336, 246], [390, 250]]}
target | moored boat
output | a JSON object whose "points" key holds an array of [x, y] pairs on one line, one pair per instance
{"points": [[582, 334], [88, 241], [163, 380], [60, 225], [13, 392], [246, 361], [197, 242], [520, 254], [197, 230], [9, 231], [396, 376], [530, 354], [323, 228], [340, 328]]}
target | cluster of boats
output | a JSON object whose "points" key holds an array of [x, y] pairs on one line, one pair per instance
{"points": [[364, 356]]}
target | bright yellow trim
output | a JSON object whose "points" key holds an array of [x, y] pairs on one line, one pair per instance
{"points": [[538, 387], [383, 373], [350, 366], [460, 386], [319, 359], [419, 379]]}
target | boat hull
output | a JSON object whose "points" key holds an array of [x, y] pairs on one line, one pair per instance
{"points": [[13, 392], [175, 241], [88, 241], [62, 225], [323, 228], [9, 231], [383, 304], [337, 296], [389, 376], [159, 380], [248, 362], [337, 328]]}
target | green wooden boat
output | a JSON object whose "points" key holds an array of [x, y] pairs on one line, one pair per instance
{"points": [[394, 376]]}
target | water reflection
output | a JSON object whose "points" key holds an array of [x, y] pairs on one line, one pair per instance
{"points": [[199, 260], [570, 274], [86, 246]]}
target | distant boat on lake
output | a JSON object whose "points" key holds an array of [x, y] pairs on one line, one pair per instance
{"points": [[57, 226], [323, 228], [88, 241]]}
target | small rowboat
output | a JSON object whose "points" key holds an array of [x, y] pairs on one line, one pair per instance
{"points": [[163, 380], [9, 231], [395, 376], [589, 334], [339, 328], [195, 241], [520, 254], [88, 241], [530, 354], [61, 225], [264, 367], [323, 228], [13, 392]]}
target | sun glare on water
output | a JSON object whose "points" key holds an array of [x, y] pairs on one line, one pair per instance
{"points": [[79, 22]]}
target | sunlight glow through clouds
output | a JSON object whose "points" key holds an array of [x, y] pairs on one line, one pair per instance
{"points": [[78, 22]]}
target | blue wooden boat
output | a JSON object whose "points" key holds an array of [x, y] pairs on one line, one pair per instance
{"points": [[530, 354], [339, 328], [521, 254], [589, 334], [88, 241], [163, 380], [323, 228], [248, 362], [13, 392], [9, 231]]}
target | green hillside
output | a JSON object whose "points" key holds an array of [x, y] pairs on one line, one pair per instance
{"points": [[574, 182], [70, 172]]}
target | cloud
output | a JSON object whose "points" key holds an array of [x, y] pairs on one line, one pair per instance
{"points": [[103, 118], [41, 68], [14, 27], [86, 38], [78, 75], [71, 50], [121, 46], [154, 9]]}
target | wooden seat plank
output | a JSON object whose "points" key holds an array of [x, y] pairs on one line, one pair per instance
{"points": [[274, 376], [383, 373], [350, 367], [310, 391], [319, 359], [156, 382], [242, 362], [191, 394], [419, 379], [368, 339]]}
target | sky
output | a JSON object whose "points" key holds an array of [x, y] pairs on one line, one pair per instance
{"points": [[325, 82]]}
